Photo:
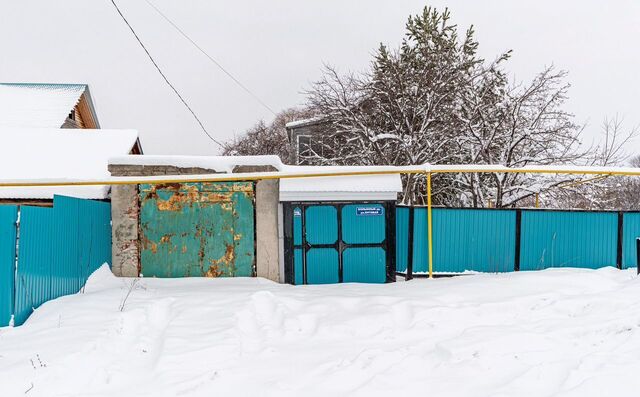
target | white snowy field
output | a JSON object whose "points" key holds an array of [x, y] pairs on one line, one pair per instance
{"points": [[561, 332]]}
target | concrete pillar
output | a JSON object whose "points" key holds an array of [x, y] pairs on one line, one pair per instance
{"points": [[267, 247], [124, 231]]}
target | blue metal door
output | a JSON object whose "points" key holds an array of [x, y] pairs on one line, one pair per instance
{"points": [[322, 263], [340, 242]]}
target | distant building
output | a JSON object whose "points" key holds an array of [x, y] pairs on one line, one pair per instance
{"points": [[51, 106], [305, 137]]}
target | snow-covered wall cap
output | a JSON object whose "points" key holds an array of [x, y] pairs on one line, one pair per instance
{"points": [[224, 164], [58, 154], [37, 105]]}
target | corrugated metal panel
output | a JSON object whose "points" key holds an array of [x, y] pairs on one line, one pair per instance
{"points": [[466, 239], [243, 233], [197, 229], [59, 248], [297, 226], [8, 216], [99, 241], [364, 265], [402, 238], [363, 224], [568, 239], [322, 266], [420, 242], [33, 276], [321, 224], [81, 242], [478, 240], [631, 231], [297, 263], [65, 270]]}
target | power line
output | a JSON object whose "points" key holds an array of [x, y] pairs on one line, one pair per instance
{"points": [[235, 80], [164, 76]]}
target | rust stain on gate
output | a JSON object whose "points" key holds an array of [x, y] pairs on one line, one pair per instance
{"points": [[197, 229]]}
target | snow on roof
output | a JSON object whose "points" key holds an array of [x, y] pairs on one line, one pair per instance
{"points": [[361, 187], [59, 154], [304, 122], [37, 105], [224, 164]]}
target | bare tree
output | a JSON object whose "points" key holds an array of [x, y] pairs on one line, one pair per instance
{"points": [[519, 126], [604, 192], [266, 139]]}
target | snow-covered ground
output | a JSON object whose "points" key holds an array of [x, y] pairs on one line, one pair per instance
{"points": [[559, 332]]}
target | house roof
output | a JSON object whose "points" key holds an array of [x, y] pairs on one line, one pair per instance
{"points": [[305, 122], [43, 154], [35, 105]]}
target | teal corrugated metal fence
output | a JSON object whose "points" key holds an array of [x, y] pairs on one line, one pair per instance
{"points": [[489, 240], [568, 239], [402, 238], [8, 217], [58, 249], [465, 239], [35, 254], [630, 232], [472, 239], [82, 242]]}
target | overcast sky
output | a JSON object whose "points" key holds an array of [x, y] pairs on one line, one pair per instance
{"points": [[276, 48]]}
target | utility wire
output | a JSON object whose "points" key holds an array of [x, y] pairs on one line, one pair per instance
{"points": [[164, 76], [235, 80]]}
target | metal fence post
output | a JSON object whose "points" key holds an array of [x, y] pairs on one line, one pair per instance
{"points": [[638, 254], [410, 244], [429, 225]]}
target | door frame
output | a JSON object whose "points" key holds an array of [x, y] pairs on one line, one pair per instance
{"points": [[388, 244]]}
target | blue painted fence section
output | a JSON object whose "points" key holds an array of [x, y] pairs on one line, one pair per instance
{"points": [[470, 239], [82, 241], [402, 238], [8, 217], [568, 239], [463, 239], [630, 232], [35, 257], [485, 240], [58, 249]]}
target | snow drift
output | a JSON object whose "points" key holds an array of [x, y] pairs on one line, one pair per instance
{"points": [[558, 332]]}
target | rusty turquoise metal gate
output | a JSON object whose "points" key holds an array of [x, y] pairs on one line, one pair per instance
{"points": [[339, 242], [197, 229]]}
